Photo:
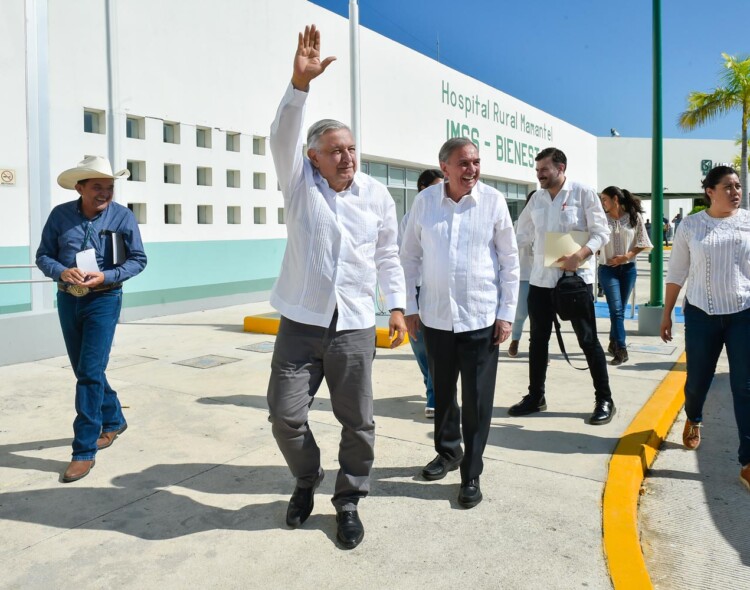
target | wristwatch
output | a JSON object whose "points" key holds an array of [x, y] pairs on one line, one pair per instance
{"points": [[401, 309]]}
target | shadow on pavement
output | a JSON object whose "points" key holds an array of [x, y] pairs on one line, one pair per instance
{"points": [[402, 407], [140, 506]]}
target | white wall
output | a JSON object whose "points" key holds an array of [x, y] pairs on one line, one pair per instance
{"points": [[14, 221], [626, 162], [225, 66]]}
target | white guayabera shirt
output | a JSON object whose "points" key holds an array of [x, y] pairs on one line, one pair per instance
{"points": [[575, 208], [339, 245], [467, 258]]}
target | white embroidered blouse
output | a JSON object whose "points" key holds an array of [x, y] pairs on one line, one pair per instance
{"points": [[713, 256], [623, 237]]}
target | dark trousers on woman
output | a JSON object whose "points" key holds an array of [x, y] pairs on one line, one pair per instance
{"points": [[473, 355], [705, 336], [541, 315]]}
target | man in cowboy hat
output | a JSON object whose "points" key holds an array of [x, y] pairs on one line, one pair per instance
{"points": [[90, 246]]}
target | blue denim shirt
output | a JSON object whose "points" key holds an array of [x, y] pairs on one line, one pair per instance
{"points": [[64, 233]]}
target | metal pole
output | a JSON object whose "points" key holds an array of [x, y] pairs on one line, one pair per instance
{"points": [[38, 127], [354, 58], [657, 178]]}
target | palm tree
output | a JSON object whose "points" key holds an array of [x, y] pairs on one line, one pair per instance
{"points": [[733, 93]]}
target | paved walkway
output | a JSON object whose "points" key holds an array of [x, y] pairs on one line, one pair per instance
{"points": [[195, 492], [695, 514]]}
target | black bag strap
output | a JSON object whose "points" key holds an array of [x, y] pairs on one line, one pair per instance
{"points": [[562, 346]]}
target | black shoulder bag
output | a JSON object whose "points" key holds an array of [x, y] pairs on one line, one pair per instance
{"points": [[572, 300]]}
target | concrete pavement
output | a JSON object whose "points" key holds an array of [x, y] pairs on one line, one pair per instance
{"points": [[195, 492]]}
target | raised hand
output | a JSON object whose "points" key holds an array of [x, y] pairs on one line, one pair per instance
{"points": [[307, 64]]}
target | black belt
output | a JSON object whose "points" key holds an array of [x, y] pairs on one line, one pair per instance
{"points": [[81, 291]]}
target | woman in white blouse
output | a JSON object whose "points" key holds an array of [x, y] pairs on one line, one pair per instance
{"points": [[711, 251], [617, 273]]}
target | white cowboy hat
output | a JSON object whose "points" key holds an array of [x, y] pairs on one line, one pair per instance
{"points": [[89, 167]]}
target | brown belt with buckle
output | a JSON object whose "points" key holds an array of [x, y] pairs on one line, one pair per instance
{"points": [[81, 291]]}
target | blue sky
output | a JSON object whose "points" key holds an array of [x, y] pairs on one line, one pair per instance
{"points": [[588, 62]]}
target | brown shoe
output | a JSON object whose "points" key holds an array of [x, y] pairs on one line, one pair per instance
{"points": [[612, 347], [691, 436], [745, 476], [77, 470], [107, 438], [621, 356], [513, 349]]}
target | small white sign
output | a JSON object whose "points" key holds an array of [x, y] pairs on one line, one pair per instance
{"points": [[7, 176]]}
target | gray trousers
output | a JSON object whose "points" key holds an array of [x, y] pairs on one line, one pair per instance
{"points": [[302, 357]]}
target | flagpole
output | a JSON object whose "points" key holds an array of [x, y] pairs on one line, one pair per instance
{"points": [[354, 67]]}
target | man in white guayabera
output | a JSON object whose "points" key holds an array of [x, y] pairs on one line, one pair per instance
{"points": [[341, 242]]}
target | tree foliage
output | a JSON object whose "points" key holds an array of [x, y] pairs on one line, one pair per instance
{"points": [[732, 93]]}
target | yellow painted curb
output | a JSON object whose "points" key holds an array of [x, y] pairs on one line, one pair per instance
{"points": [[269, 324], [262, 324], [633, 456]]}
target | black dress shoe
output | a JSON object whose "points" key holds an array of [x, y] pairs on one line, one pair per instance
{"points": [[301, 503], [528, 405], [349, 529], [603, 412], [439, 467], [470, 495]]}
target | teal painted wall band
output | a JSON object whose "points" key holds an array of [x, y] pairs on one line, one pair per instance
{"points": [[175, 265], [176, 271], [12, 297], [162, 296]]}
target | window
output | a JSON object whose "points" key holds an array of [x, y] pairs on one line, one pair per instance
{"points": [[137, 170], [411, 178], [379, 172], [233, 178], [259, 146], [233, 141], [203, 137], [93, 121], [234, 215], [259, 180], [204, 176], [396, 176], [259, 215], [172, 173], [135, 127], [205, 214], [171, 132], [139, 210], [282, 216], [172, 214]]}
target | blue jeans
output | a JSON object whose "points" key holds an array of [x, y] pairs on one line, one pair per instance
{"points": [[522, 311], [420, 353], [617, 282], [705, 336], [88, 326]]}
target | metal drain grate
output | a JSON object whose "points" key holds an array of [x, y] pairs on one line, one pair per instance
{"points": [[265, 346], [208, 361]]}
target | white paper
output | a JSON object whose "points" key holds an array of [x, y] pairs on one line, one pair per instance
{"points": [[558, 244], [86, 261]]}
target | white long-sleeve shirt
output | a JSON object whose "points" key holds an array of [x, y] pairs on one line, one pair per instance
{"points": [[338, 244], [467, 258], [575, 208], [713, 256]]}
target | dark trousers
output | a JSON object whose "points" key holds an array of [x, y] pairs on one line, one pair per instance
{"points": [[705, 336], [541, 314], [473, 355]]}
